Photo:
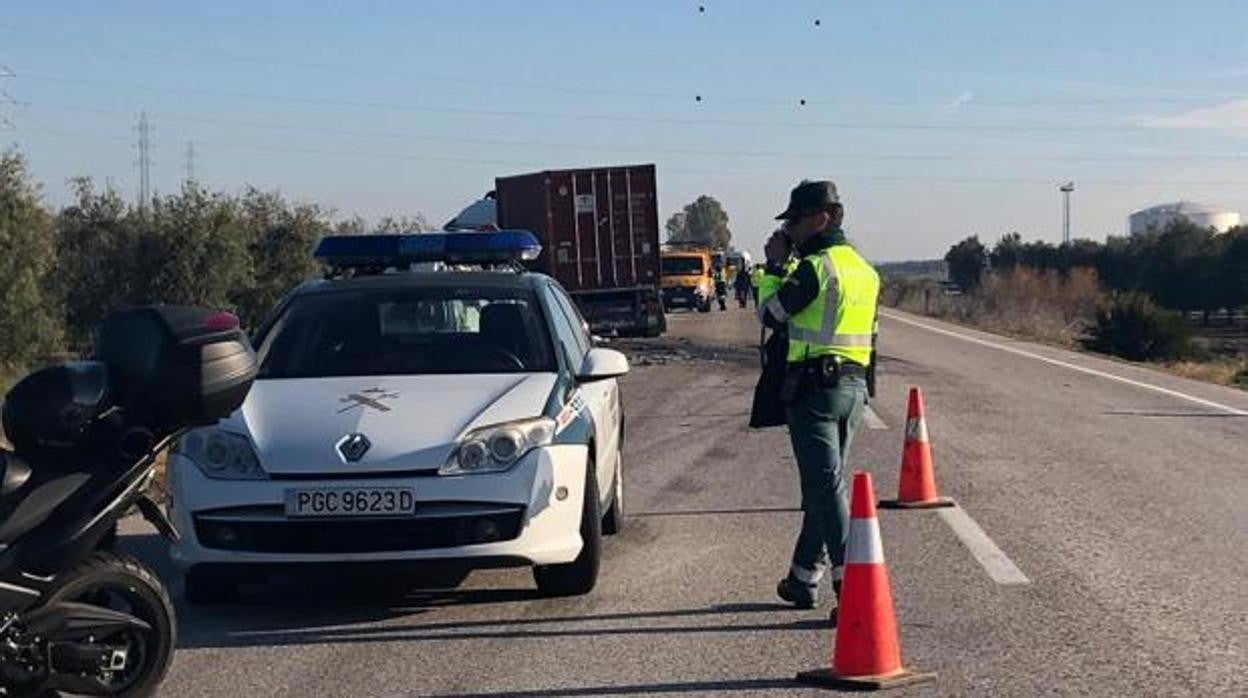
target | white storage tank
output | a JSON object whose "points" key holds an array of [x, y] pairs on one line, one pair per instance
{"points": [[1160, 216]]}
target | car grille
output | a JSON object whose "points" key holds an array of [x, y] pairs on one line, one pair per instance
{"points": [[358, 536]]}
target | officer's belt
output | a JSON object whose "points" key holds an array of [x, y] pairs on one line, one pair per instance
{"points": [[846, 368]]}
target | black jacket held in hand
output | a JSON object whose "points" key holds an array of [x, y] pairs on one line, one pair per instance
{"points": [[768, 407]]}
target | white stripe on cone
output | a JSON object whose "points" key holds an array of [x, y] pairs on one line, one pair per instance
{"points": [[864, 546], [916, 429]]}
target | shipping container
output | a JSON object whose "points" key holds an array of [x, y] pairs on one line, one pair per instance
{"points": [[599, 229]]}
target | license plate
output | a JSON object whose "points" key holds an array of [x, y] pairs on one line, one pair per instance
{"points": [[328, 502]]}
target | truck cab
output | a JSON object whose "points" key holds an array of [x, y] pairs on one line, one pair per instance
{"points": [[686, 279]]}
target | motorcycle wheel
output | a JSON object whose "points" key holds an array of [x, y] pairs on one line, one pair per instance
{"points": [[122, 583]]}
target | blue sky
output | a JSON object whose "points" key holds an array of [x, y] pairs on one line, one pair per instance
{"points": [[936, 119]]}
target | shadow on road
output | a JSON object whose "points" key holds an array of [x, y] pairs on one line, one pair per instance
{"points": [[379, 605], [645, 689], [716, 512], [245, 627]]}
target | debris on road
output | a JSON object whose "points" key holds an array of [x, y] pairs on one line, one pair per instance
{"points": [[660, 352]]}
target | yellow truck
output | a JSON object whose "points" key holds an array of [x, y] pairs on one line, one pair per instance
{"points": [[686, 279]]}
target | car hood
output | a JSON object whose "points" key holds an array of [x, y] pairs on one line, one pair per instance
{"points": [[411, 422]]}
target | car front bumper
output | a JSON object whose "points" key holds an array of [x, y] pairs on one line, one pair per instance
{"points": [[682, 296], [528, 515]]}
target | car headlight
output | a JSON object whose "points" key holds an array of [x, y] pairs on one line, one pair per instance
{"points": [[497, 447], [221, 455]]}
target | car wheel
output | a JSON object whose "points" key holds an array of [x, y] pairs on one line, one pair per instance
{"points": [[579, 576], [613, 520], [206, 586]]}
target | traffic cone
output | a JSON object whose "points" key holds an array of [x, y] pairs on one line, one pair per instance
{"points": [[916, 488], [866, 655]]}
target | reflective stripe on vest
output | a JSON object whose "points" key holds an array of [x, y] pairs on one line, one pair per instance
{"points": [[769, 284]]}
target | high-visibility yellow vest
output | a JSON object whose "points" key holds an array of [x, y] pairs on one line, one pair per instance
{"points": [[770, 283], [756, 276], [841, 319]]}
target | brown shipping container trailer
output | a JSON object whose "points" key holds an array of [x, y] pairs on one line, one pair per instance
{"points": [[599, 229]]}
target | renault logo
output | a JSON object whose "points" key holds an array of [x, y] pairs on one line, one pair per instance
{"points": [[353, 447]]}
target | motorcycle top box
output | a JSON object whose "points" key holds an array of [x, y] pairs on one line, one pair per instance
{"points": [[177, 365]]}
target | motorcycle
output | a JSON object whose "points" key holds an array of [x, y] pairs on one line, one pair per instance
{"points": [[74, 616]]}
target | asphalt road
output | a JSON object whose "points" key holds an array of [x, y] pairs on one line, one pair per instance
{"points": [[1115, 494]]}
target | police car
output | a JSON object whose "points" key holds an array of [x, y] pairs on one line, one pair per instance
{"points": [[408, 413]]}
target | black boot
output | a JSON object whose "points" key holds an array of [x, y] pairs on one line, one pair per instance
{"points": [[799, 594]]}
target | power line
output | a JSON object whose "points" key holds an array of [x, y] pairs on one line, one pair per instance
{"points": [[563, 145], [390, 155], [611, 118], [546, 164], [688, 95]]}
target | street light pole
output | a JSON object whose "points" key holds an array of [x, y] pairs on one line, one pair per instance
{"points": [[1066, 189]]}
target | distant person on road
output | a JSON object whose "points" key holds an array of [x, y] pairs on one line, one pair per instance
{"points": [[721, 287], [741, 284], [756, 279], [828, 306]]}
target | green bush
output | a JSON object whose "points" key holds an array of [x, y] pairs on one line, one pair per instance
{"points": [[1134, 327], [30, 317]]}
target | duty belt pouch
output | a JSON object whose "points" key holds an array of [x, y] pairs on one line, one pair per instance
{"points": [[829, 371]]}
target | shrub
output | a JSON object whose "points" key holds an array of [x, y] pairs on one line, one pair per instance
{"points": [[29, 313], [1134, 327], [1042, 304]]}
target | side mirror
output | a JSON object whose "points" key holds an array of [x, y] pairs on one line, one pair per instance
{"points": [[601, 364]]}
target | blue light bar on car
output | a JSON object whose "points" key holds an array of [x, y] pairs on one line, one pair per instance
{"points": [[385, 251]]}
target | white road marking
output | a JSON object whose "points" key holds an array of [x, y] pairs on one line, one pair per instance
{"points": [[1064, 364], [995, 563], [873, 420]]}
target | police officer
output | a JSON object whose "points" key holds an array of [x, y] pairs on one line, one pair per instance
{"points": [[827, 304], [721, 287], [756, 279], [741, 285]]}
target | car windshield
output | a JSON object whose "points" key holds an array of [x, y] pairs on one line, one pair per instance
{"points": [[682, 265], [411, 331]]}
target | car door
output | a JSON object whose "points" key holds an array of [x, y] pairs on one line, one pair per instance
{"points": [[602, 398]]}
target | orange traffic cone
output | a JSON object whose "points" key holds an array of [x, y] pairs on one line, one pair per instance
{"points": [[916, 489], [867, 654]]}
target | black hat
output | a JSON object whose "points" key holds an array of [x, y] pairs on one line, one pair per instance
{"points": [[810, 197]]}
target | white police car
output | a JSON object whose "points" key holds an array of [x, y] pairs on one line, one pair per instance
{"points": [[411, 415]]}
